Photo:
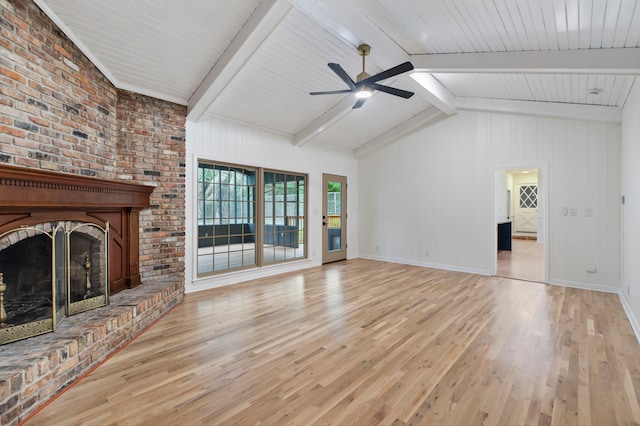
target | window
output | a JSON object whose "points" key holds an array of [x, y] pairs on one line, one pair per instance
{"points": [[334, 200], [529, 196], [231, 233]]}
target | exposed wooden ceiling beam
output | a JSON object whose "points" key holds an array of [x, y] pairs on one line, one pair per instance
{"points": [[262, 22], [437, 95], [606, 114], [323, 122], [619, 61]]}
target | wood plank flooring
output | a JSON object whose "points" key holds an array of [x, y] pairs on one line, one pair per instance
{"points": [[364, 342], [525, 261]]}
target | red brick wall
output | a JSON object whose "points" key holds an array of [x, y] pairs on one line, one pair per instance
{"points": [[151, 145], [52, 117], [56, 118]]}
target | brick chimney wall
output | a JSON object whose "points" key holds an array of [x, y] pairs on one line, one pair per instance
{"points": [[151, 147], [59, 112]]}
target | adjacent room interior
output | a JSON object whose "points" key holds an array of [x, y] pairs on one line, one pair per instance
{"points": [[521, 225], [313, 212]]}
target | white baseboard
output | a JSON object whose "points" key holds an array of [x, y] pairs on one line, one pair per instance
{"points": [[632, 319], [585, 286], [453, 268]]}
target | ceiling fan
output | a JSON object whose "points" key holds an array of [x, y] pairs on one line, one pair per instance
{"points": [[365, 84]]}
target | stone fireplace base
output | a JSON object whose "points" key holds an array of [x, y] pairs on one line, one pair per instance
{"points": [[36, 369]]}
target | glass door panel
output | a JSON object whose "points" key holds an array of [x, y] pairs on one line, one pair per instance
{"points": [[88, 280], [60, 274]]}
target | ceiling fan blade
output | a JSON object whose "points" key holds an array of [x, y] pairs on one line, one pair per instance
{"points": [[398, 69], [331, 92], [393, 91], [359, 103], [343, 75]]}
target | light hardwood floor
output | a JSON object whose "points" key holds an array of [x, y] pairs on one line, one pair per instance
{"points": [[365, 342], [525, 261]]}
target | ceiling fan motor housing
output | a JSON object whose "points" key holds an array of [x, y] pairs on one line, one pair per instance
{"points": [[362, 76]]}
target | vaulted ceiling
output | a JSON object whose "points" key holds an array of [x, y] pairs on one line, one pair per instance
{"points": [[255, 61]]}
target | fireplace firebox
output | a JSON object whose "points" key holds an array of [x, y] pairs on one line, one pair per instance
{"points": [[48, 272], [66, 243]]}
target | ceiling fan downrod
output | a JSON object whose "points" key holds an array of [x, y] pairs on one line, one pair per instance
{"points": [[363, 50]]}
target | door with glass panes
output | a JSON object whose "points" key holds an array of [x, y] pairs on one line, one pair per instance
{"points": [[527, 208], [334, 218]]}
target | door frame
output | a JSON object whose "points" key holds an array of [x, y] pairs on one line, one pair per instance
{"points": [[341, 254], [544, 172]]}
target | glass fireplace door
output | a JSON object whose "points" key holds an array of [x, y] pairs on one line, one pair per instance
{"points": [[87, 267], [59, 276], [27, 294]]}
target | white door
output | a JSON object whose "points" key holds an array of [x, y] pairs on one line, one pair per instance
{"points": [[527, 207]]}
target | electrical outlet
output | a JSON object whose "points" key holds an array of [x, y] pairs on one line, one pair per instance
{"points": [[591, 269], [426, 253], [377, 248]]}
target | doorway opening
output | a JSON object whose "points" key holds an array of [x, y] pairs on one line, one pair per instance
{"points": [[520, 223]]}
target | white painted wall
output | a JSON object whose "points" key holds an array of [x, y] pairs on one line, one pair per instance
{"points": [[230, 142], [428, 198], [502, 198], [511, 207], [541, 207], [630, 176]]}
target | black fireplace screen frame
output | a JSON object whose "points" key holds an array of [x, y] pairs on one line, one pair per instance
{"points": [[76, 284]]}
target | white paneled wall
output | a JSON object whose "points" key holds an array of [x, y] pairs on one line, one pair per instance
{"points": [[630, 291], [231, 142], [428, 198]]}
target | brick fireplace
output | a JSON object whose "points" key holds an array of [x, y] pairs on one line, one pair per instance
{"points": [[76, 149], [34, 202]]}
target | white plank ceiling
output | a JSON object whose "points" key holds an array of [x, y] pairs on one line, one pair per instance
{"points": [[255, 61]]}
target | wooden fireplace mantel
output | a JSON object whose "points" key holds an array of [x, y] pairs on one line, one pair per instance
{"points": [[30, 196]]}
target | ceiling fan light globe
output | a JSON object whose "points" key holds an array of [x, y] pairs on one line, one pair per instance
{"points": [[363, 93]]}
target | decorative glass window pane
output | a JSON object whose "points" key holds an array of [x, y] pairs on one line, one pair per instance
{"points": [[529, 196]]}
